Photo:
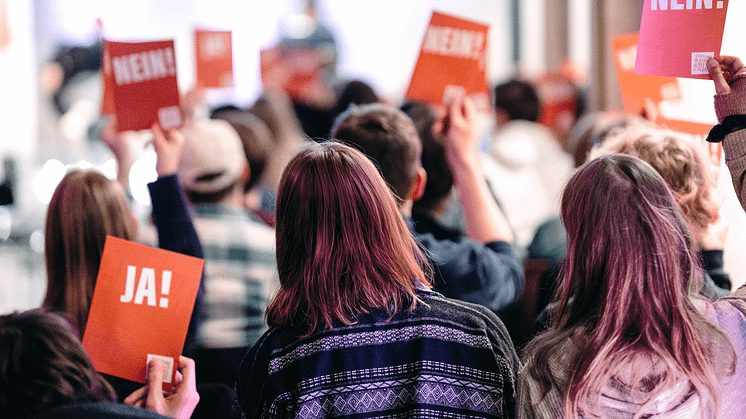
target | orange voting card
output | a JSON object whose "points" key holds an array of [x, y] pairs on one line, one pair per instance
{"points": [[141, 308], [637, 88], [214, 58], [451, 62], [143, 81], [677, 37]]}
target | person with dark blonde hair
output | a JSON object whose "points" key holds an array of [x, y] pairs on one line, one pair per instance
{"points": [[627, 340], [687, 170], [355, 330]]}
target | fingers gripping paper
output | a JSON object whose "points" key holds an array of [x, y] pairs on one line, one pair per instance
{"points": [[141, 308]]}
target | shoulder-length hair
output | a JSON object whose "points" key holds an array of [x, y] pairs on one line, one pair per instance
{"points": [[343, 248], [624, 286], [85, 208], [44, 365]]}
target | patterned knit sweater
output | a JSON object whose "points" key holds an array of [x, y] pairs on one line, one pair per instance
{"points": [[447, 359]]}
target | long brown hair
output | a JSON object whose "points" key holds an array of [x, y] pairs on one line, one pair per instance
{"points": [[85, 208], [44, 365], [343, 248], [624, 286]]}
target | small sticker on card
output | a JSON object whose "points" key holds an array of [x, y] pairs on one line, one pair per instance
{"points": [[169, 117], [699, 62], [168, 363]]}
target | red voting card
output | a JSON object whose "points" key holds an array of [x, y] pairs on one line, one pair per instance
{"points": [[143, 82], [452, 62], [214, 58], [141, 308], [677, 37], [637, 88]]}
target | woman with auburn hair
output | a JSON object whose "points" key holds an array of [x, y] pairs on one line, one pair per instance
{"points": [[627, 340], [355, 329]]}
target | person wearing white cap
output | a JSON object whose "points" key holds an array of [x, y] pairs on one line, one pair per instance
{"points": [[240, 266]]}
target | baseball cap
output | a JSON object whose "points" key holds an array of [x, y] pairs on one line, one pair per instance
{"points": [[213, 158]]}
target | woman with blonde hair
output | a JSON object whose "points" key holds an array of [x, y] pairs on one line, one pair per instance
{"points": [[627, 340], [355, 330]]}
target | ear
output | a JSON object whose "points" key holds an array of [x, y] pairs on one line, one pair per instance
{"points": [[418, 189]]}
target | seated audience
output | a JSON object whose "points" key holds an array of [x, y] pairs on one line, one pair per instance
{"points": [[46, 373], [355, 330], [627, 339], [479, 268]]}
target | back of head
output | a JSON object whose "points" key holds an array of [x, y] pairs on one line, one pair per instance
{"points": [[275, 109], [592, 130], [85, 208], [343, 249], [212, 162], [43, 365], [434, 161], [682, 164], [624, 288], [518, 99], [388, 137], [355, 92], [256, 139]]}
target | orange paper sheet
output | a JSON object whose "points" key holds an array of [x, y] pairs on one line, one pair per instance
{"points": [[141, 307], [637, 88], [452, 62], [214, 58]]}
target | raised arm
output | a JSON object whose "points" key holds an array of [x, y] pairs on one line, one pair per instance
{"points": [[120, 147], [729, 76], [485, 222]]}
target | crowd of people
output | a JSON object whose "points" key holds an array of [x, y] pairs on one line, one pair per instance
{"points": [[396, 267]]}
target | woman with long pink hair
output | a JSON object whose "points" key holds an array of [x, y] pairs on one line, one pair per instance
{"points": [[627, 339]]}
